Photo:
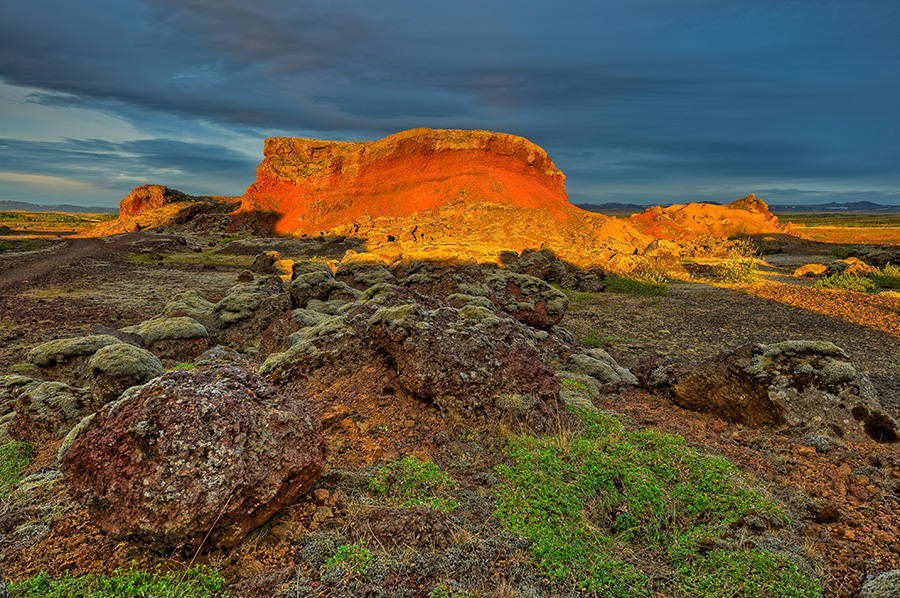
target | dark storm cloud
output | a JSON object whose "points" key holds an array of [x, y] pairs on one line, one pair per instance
{"points": [[174, 163], [649, 90]]}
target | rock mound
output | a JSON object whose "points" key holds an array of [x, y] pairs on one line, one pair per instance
{"points": [[795, 383], [156, 205], [745, 216], [217, 451]]}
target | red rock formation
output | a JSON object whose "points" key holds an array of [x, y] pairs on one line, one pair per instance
{"points": [[147, 197], [745, 216], [316, 185]]}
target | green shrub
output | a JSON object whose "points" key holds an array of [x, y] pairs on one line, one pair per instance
{"points": [[737, 270], [603, 502], [15, 457], [196, 582], [887, 277], [354, 556], [846, 282], [840, 252], [591, 339], [4, 246], [412, 482]]}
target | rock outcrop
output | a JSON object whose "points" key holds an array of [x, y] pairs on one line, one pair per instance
{"points": [[794, 383], [439, 195], [213, 452], [155, 205], [744, 216], [315, 185]]}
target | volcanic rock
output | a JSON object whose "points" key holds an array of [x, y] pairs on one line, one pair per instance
{"points": [[119, 366], [462, 360], [851, 265], [315, 185], [246, 310], [795, 383], [438, 195], [156, 205], [745, 216], [180, 338], [216, 451], [66, 359], [46, 411]]}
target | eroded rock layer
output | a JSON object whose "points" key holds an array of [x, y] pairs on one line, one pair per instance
{"points": [[314, 185]]}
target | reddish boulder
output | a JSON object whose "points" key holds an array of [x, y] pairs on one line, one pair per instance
{"points": [[213, 452]]}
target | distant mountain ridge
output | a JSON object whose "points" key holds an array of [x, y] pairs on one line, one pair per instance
{"points": [[24, 206], [846, 207]]}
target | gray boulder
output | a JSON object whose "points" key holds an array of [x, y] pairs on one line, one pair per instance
{"points": [[179, 338], [811, 384], [117, 367], [66, 359], [886, 585]]}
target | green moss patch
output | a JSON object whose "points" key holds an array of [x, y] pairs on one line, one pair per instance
{"points": [[609, 509]]}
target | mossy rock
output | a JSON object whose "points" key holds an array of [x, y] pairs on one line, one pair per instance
{"points": [[61, 350], [161, 328], [191, 304]]}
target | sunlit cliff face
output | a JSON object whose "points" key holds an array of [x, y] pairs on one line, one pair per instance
{"points": [[315, 185]]}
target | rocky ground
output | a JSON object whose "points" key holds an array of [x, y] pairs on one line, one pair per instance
{"points": [[844, 497]]}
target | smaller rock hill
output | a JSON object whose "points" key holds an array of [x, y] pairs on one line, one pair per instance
{"points": [[745, 216], [148, 206]]}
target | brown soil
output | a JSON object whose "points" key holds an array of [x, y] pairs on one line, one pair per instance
{"points": [[67, 288]]}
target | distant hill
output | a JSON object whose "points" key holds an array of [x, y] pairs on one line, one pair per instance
{"points": [[23, 206], [853, 207]]}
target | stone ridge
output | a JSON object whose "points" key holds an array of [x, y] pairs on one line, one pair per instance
{"points": [[311, 185]]}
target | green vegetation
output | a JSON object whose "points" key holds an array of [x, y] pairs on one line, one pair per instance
{"points": [[4, 246], [22, 367], [24, 220], [15, 457], [412, 482], [737, 270], [184, 366], [646, 280], [840, 252], [353, 556], [591, 339], [887, 277], [613, 511], [575, 384], [442, 591], [196, 582]]}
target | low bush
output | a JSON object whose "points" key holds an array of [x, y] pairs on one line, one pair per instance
{"points": [[887, 277], [196, 582], [846, 282], [15, 457], [840, 252], [606, 508], [412, 482], [737, 270]]}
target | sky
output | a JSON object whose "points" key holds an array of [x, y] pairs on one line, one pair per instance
{"points": [[636, 101]]}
